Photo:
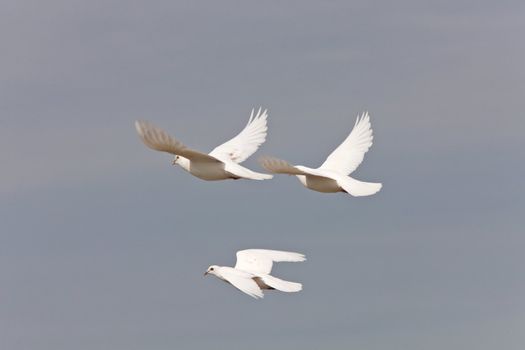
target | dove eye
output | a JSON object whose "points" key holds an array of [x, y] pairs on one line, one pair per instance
{"points": [[211, 268]]}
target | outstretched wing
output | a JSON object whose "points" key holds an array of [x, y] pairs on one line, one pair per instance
{"points": [[347, 157], [159, 140], [243, 281], [260, 261], [279, 166], [247, 142]]}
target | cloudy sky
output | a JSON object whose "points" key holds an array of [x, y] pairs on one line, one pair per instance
{"points": [[103, 243]]}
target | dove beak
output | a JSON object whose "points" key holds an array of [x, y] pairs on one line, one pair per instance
{"points": [[174, 162], [205, 273]]}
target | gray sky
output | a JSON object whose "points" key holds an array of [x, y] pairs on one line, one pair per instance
{"points": [[103, 243]]}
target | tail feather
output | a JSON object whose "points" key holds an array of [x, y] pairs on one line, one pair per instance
{"points": [[242, 172], [279, 284], [260, 176], [358, 188]]}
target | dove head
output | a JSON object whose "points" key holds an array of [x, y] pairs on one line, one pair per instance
{"points": [[212, 270]]}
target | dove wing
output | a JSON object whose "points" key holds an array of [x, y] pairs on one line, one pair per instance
{"points": [[347, 157], [159, 140], [243, 281], [280, 166], [260, 261], [239, 148]]}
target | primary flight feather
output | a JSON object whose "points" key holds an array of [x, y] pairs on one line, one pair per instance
{"points": [[223, 161]]}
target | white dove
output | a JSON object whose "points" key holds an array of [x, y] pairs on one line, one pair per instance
{"points": [[332, 175], [251, 273], [222, 162]]}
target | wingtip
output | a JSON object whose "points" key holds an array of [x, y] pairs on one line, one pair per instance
{"points": [[264, 115], [260, 114], [257, 296], [362, 117], [138, 127], [300, 257], [257, 115]]}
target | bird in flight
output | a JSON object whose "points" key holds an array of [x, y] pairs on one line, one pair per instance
{"points": [[332, 175], [251, 273], [222, 162]]}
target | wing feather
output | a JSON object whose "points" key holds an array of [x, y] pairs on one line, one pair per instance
{"points": [[279, 166], [242, 146], [159, 140], [244, 282], [260, 261], [347, 157]]}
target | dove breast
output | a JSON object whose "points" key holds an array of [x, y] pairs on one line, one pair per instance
{"points": [[209, 171]]}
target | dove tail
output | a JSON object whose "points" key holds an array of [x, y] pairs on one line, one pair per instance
{"points": [[258, 176], [279, 284], [358, 188], [245, 173]]}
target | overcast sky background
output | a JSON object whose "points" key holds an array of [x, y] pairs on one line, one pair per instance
{"points": [[103, 243]]}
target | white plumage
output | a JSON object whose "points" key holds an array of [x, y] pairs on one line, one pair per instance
{"points": [[349, 155], [332, 175], [222, 162], [251, 273], [242, 146]]}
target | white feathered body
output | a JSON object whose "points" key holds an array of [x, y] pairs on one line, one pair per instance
{"points": [[332, 175], [251, 273], [204, 170], [318, 183], [222, 170]]}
